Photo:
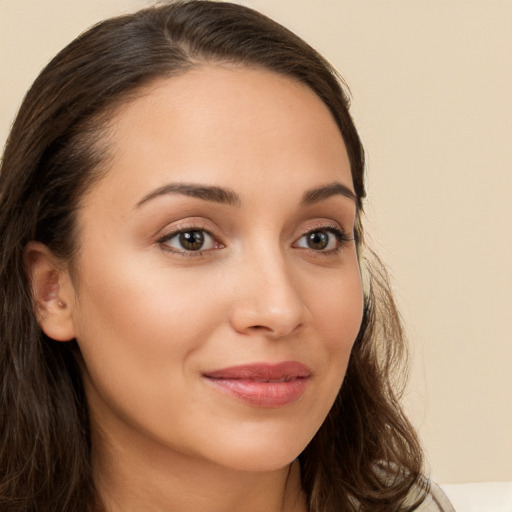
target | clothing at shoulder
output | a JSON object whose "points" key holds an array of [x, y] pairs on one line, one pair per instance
{"points": [[436, 501]]}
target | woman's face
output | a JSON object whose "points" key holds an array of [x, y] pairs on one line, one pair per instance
{"points": [[217, 293]]}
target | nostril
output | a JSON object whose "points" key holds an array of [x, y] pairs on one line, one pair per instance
{"points": [[260, 328], [275, 331]]}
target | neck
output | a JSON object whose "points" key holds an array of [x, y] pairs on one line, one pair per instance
{"points": [[133, 477]]}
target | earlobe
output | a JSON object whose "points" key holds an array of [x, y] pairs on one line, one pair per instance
{"points": [[52, 292]]}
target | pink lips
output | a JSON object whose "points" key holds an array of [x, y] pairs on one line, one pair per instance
{"points": [[263, 384]]}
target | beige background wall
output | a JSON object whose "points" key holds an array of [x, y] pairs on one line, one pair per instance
{"points": [[431, 83]]}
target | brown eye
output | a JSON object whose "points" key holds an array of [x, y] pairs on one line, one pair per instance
{"points": [[322, 240], [189, 240], [317, 240]]}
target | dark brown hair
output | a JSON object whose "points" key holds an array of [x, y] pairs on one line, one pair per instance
{"points": [[364, 457]]}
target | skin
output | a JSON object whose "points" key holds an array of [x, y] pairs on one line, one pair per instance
{"points": [[151, 318]]}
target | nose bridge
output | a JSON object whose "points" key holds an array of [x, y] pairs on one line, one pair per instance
{"points": [[268, 299]]}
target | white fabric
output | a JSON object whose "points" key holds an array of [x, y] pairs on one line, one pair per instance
{"points": [[436, 501], [480, 496]]}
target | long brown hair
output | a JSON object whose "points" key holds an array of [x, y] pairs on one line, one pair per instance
{"points": [[365, 456]]}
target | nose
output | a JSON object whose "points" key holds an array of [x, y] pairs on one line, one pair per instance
{"points": [[267, 300]]}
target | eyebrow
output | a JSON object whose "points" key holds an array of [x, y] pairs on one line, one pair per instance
{"points": [[229, 197], [318, 194], [205, 192]]}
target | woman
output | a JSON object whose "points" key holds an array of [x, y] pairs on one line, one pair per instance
{"points": [[183, 322]]}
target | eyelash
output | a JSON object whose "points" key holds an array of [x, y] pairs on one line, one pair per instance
{"points": [[163, 241], [341, 237]]}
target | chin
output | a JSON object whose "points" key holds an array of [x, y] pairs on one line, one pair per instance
{"points": [[266, 452], [260, 462]]}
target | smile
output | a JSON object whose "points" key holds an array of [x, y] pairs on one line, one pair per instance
{"points": [[262, 384]]}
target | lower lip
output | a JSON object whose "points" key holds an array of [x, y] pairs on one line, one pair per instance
{"points": [[262, 394]]}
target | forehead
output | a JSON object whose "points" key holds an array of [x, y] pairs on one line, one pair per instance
{"points": [[220, 124]]}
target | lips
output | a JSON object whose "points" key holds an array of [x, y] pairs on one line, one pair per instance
{"points": [[262, 384]]}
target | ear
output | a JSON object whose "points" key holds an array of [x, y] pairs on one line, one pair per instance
{"points": [[52, 291]]}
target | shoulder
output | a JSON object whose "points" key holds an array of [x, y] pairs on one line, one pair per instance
{"points": [[435, 501]]}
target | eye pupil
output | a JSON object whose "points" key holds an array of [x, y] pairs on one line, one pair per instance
{"points": [[318, 240], [192, 240]]}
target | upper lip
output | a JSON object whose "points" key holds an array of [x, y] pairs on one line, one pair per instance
{"points": [[263, 372]]}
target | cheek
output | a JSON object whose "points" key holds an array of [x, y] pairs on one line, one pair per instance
{"points": [[139, 334], [139, 327], [127, 297], [338, 310]]}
